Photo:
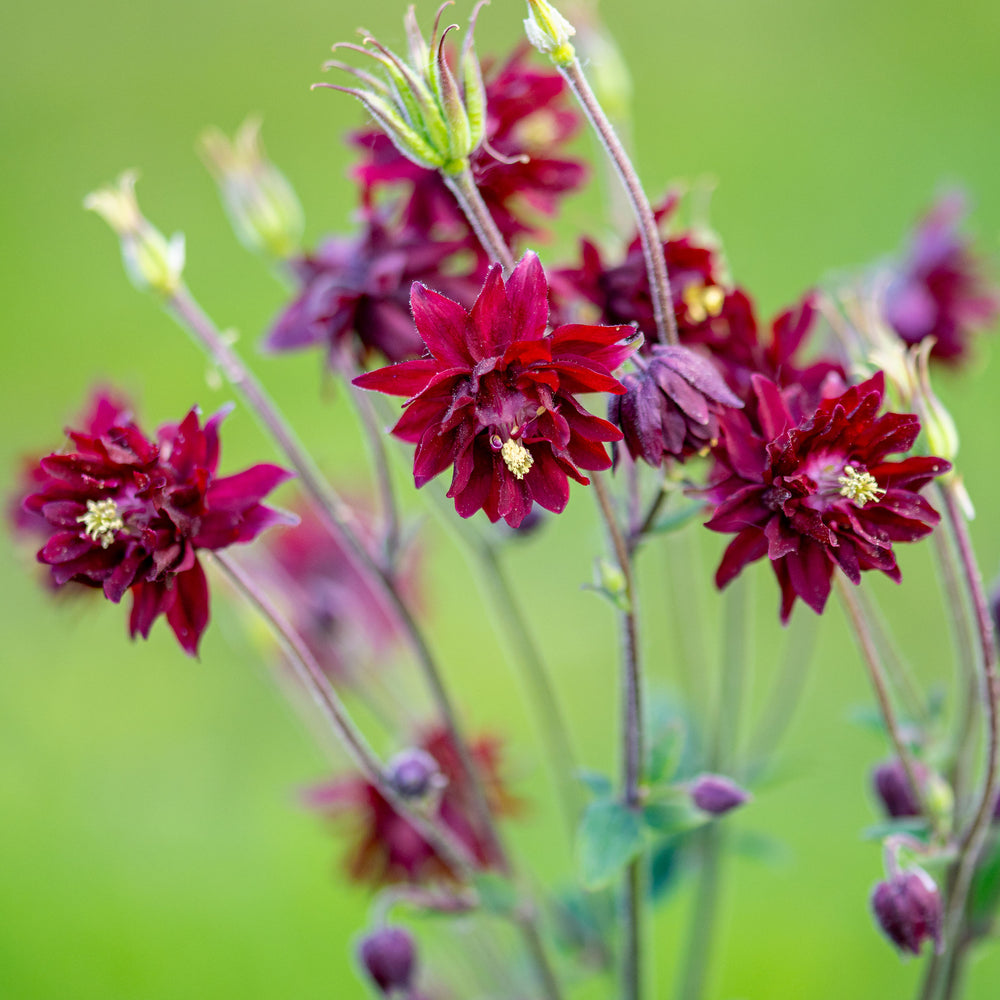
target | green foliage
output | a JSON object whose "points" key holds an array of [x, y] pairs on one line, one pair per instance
{"points": [[609, 837]]}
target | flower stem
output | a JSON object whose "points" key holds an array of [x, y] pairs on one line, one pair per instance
{"points": [[649, 235], [315, 682], [463, 187], [633, 743], [339, 520]]}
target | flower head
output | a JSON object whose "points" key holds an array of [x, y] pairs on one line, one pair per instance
{"points": [[908, 909], [816, 493], [127, 514], [496, 398], [939, 290], [388, 849]]}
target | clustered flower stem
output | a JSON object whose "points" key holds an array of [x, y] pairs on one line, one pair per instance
{"points": [[463, 186], [339, 520], [633, 748], [656, 266]]}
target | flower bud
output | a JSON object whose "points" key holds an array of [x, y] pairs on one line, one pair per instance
{"points": [[389, 957], [151, 260], [549, 32], [414, 774], [716, 795], [261, 204], [937, 422], [892, 786], [908, 909]]}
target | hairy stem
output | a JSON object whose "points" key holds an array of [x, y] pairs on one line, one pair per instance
{"points": [[463, 187], [649, 235]]}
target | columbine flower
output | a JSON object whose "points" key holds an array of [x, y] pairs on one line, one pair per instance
{"points": [[939, 290], [497, 397], [528, 122], [388, 848], [354, 297], [129, 515], [818, 493], [908, 909]]}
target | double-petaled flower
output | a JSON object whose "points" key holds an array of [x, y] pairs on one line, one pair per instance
{"points": [[129, 515], [496, 398]]}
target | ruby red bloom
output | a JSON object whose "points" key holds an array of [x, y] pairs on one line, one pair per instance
{"points": [[497, 397], [388, 848], [819, 493], [940, 291], [127, 514], [529, 120], [354, 293]]}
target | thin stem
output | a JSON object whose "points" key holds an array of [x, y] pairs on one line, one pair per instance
{"points": [[876, 672], [698, 951], [649, 235], [463, 187], [315, 682], [340, 520], [527, 922], [637, 536], [633, 742]]}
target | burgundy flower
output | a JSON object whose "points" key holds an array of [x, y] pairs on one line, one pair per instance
{"points": [[908, 909], [671, 406], [818, 493], [388, 848], [497, 397], [354, 293], [529, 120], [939, 290], [129, 515]]}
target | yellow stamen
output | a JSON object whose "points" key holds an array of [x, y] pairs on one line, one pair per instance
{"points": [[517, 457], [101, 521], [861, 487], [703, 301]]}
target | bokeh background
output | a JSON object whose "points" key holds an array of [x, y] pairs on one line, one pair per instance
{"points": [[152, 843]]}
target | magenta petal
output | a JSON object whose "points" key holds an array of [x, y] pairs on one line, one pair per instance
{"points": [[148, 601], [442, 325], [405, 379], [547, 483], [245, 488], [528, 297], [490, 330], [188, 613], [748, 546]]}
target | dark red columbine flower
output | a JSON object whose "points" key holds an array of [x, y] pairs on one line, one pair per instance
{"points": [[127, 514], [354, 293], [818, 493], [529, 121], [497, 396], [908, 909], [388, 849], [939, 290]]}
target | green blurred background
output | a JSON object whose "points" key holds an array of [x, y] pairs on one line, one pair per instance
{"points": [[152, 845]]}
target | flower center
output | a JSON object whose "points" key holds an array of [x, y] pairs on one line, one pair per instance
{"points": [[861, 487], [101, 521], [517, 457], [703, 301]]}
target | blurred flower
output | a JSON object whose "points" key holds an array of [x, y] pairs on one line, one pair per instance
{"points": [[908, 909], [717, 795], [528, 122], [497, 397], [892, 786], [388, 849], [817, 493], [939, 290], [389, 956], [414, 774], [129, 515], [354, 293]]}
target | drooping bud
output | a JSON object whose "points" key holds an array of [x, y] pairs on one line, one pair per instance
{"points": [[549, 32], [151, 260], [262, 206], [415, 775], [716, 795], [430, 117], [389, 957], [892, 786], [908, 909]]}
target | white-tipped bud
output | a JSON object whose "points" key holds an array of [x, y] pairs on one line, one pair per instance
{"points": [[549, 32], [261, 204], [151, 260]]}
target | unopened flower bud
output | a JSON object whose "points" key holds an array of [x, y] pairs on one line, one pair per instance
{"points": [[549, 32], [908, 909], [258, 198], [892, 786], [716, 795], [937, 422], [151, 260], [414, 774], [389, 957]]}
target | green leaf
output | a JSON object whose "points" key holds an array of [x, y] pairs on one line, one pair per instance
{"points": [[914, 826], [497, 895], [673, 815], [598, 784], [984, 895], [609, 837], [671, 522], [664, 751]]}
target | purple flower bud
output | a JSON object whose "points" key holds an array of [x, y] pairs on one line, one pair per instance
{"points": [[415, 774], [893, 788], [908, 909], [715, 794], [389, 957]]}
